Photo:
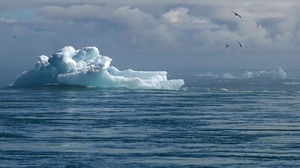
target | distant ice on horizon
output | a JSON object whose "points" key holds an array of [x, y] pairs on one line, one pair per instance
{"points": [[87, 67], [276, 74]]}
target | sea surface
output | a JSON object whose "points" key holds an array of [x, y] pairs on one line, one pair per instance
{"points": [[217, 119]]}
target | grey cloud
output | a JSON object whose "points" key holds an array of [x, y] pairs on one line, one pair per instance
{"points": [[139, 29]]}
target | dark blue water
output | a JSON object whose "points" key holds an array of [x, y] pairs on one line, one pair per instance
{"points": [[210, 122]]}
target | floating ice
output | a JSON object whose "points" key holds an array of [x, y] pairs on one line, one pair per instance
{"points": [[276, 74], [88, 68]]}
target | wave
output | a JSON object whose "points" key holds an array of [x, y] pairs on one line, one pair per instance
{"points": [[86, 67]]}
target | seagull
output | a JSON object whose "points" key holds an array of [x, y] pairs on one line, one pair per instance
{"points": [[236, 14], [227, 45], [241, 44]]}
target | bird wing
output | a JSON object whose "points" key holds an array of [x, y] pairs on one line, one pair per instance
{"points": [[239, 44], [236, 14]]}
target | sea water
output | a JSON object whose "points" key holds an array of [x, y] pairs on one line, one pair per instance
{"points": [[216, 119]]}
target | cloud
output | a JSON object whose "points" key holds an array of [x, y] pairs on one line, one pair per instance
{"points": [[181, 15], [84, 11], [141, 27], [136, 29]]}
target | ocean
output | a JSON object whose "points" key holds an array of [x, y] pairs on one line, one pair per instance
{"points": [[216, 119]]}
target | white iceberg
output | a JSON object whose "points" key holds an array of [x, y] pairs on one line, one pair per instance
{"points": [[87, 67]]}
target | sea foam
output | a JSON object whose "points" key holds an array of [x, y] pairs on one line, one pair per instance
{"points": [[87, 67]]}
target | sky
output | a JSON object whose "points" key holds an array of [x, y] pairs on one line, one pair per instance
{"points": [[155, 35]]}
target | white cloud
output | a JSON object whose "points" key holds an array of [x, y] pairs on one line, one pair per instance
{"points": [[177, 15], [162, 27], [180, 16]]}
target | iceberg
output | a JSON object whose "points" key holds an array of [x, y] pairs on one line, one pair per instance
{"points": [[86, 67], [276, 74]]}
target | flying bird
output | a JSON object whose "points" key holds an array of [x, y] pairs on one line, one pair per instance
{"points": [[236, 14], [227, 46], [241, 44]]}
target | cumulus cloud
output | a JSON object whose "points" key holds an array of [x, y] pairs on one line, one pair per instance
{"points": [[172, 28], [140, 26], [181, 15], [180, 18]]}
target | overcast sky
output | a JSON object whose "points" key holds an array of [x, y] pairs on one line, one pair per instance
{"points": [[162, 35]]}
